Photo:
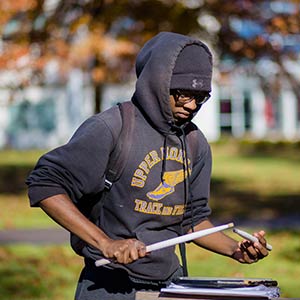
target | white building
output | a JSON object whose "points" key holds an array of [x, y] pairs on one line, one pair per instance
{"points": [[44, 117]]}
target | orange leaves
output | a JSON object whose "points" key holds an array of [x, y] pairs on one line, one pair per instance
{"points": [[237, 45], [101, 45], [12, 54], [116, 48], [77, 33], [98, 74], [81, 21], [285, 24], [10, 7], [58, 47], [279, 24]]}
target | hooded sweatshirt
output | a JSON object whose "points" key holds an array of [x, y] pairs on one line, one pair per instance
{"points": [[164, 188]]}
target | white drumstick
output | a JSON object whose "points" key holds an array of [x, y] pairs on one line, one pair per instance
{"points": [[250, 237], [175, 241]]}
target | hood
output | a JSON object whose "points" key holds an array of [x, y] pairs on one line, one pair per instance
{"points": [[154, 67]]}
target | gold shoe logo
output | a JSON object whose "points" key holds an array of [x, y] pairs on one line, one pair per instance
{"points": [[167, 187]]}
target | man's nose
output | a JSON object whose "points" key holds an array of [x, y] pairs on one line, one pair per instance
{"points": [[192, 105]]}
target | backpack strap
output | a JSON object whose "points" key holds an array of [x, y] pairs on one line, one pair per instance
{"points": [[120, 153], [115, 167]]}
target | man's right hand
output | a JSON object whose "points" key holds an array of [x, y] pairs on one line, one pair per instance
{"points": [[124, 251], [64, 212]]}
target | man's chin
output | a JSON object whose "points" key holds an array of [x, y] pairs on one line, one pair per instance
{"points": [[182, 120]]}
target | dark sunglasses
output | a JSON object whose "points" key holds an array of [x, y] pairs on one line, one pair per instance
{"points": [[183, 97]]}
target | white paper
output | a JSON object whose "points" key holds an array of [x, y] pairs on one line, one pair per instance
{"points": [[257, 291]]}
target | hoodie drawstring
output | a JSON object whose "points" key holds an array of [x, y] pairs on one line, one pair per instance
{"points": [[164, 159], [186, 182], [186, 173], [187, 192]]}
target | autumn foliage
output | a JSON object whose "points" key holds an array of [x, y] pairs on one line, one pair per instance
{"points": [[104, 36]]}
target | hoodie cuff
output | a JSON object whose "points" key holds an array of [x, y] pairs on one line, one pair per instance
{"points": [[38, 193]]}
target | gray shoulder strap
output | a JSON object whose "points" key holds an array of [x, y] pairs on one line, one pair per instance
{"points": [[120, 153]]}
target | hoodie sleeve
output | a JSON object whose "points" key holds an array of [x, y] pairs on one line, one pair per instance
{"points": [[197, 208], [76, 168]]}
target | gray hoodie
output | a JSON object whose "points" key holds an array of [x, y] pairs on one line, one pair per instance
{"points": [[164, 188]]}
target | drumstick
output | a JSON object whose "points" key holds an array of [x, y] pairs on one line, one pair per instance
{"points": [[175, 241], [250, 237]]}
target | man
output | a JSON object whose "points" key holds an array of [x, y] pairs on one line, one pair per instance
{"points": [[164, 189]]}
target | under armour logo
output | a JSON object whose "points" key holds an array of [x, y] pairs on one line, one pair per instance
{"points": [[197, 83]]}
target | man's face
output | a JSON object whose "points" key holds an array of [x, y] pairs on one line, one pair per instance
{"points": [[184, 105]]}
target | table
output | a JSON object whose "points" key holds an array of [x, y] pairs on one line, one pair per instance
{"points": [[159, 296]]}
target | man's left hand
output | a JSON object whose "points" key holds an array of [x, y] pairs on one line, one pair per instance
{"points": [[249, 252]]}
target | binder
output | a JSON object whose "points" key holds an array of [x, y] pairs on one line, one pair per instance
{"points": [[224, 287], [224, 282]]}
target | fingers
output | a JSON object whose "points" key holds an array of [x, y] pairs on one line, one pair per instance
{"points": [[137, 251], [249, 253], [126, 251], [261, 238], [252, 252]]}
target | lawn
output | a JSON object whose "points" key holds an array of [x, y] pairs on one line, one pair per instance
{"points": [[29, 272], [260, 187]]}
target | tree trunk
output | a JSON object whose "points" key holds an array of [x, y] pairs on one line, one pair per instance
{"points": [[98, 97]]}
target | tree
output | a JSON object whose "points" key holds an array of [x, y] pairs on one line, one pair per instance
{"points": [[103, 36], [255, 31]]}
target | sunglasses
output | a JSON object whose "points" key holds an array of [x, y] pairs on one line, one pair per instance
{"points": [[183, 97]]}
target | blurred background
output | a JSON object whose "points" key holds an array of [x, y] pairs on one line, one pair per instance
{"points": [[62, 61]]}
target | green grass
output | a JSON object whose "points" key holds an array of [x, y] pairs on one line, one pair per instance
{"points": [[266, 174], [38, 272], [257, 185], [30, 272], [15, 212], [19, 158]]}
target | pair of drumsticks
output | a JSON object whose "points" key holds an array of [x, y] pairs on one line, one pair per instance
{"points": [[190, 237]]}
